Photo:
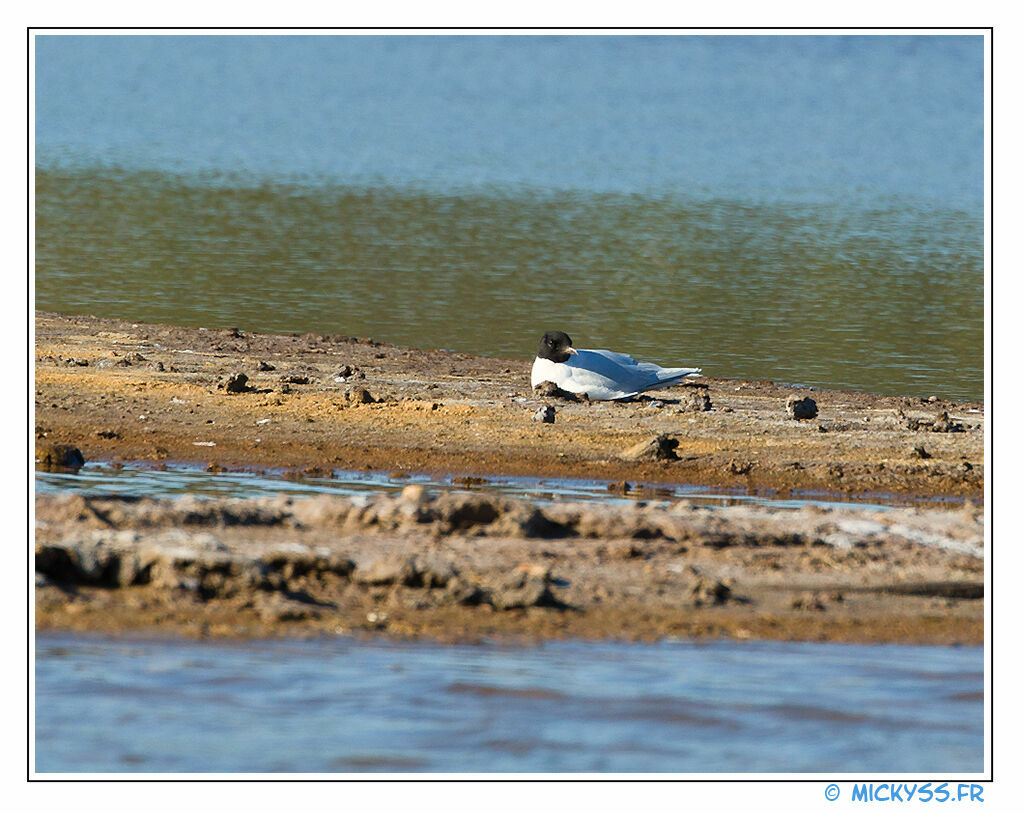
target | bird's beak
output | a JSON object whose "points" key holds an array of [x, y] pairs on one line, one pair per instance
{"points": [[571, 351]]}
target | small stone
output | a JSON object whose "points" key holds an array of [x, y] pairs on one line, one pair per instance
{"points": [[414, 493], [694, 399], [545, 414], [360, 395], [661, 447], [919, 452], [801, 409], [549, 389], [740, 466], [389, 570], [943, 423], [525, 587], [59, 456], [710, 591], [377, 620], [265, 367], [239, 382]]}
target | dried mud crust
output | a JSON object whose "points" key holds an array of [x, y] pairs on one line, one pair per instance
{"points": [[122, 390], [465, 567]]}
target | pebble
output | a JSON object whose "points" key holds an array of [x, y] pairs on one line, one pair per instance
{"points": [[545, 414], [413, 493], [661, 447], [800, 409], [237, 383]]}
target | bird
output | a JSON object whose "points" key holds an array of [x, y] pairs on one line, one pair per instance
{"points": [[601, 375]]}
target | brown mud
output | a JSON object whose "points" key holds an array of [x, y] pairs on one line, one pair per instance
{"points": [[457, 567], [466, 566], [117, 389]]}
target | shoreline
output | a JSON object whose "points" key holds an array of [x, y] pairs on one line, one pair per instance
{"points": [[466, 567], [402, 409]]}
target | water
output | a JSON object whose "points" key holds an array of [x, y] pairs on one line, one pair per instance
{"points": [[343, 705], [804, 209], [178, 479]]}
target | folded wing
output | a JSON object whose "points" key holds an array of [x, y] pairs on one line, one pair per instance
{"points": [[617, 375]]}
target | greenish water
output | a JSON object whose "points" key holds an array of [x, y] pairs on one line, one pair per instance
{"points": [[878, 299], [806, 209]]}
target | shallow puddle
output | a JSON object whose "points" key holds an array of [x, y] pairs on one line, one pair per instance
{"points": [[142, 480]]}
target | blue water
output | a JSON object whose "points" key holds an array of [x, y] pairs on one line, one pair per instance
{"points": [[343, 705], [762, 118]]}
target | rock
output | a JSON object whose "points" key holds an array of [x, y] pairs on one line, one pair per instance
{"points": [[545, 414], [801, 409], [360, 395], [239, 382], [661, 447], [549, 389], [694, 399], [436, 573], [277, 607], [58, 456], [265, 367], [919, 452], [469, 480], [414, 494], [710, 591], [943, 423], [294, 379], [527, 586], [390, 570], [460, 512], [809, 602], [740, 466], [377, 620], [465, 593]]}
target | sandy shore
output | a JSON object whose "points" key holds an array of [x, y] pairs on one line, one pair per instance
{"points": [[121, 390], [430, 565]]}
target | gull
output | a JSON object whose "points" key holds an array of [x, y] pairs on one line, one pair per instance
{"points": [[601, 375]]}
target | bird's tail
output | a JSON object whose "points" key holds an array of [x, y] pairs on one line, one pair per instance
{"points": [[672, 374]]}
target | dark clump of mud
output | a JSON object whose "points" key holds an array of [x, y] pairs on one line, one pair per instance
{"points": [[801, 409], [549, 389], [55, 456]]}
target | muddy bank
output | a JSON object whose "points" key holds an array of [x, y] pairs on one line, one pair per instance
{"points": [[463, 567], [120, 390]]}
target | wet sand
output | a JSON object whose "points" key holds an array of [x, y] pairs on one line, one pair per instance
{"points": [[122, 391]]}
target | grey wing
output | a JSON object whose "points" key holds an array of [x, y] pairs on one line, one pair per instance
{"points": [[645, 373], [617, 370]]}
